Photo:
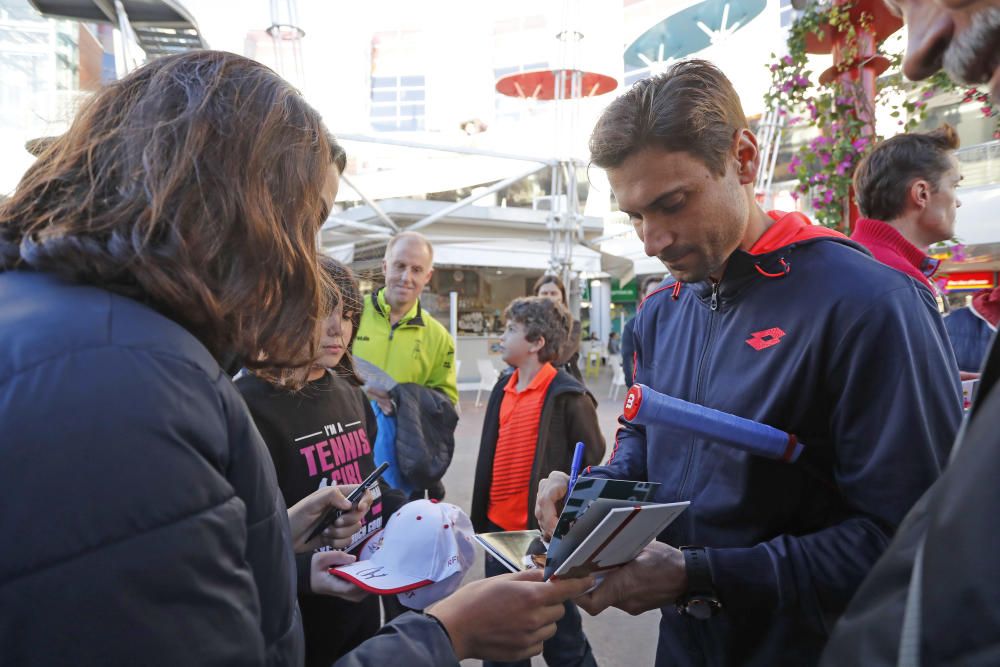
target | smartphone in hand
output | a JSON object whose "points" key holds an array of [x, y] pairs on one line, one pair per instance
{"points": [[355, 497]]}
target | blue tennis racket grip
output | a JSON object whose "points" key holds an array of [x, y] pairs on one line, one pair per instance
{"points": [[645, 406]]}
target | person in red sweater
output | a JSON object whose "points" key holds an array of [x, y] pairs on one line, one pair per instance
{"points": [[906, 192]]}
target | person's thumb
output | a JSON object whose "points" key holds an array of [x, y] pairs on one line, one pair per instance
{"points": [[528, 575], [332, 496], [566, 589], [327, 559]]}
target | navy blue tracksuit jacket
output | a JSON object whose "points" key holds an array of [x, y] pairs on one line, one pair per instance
{"points": [[810, 335]]}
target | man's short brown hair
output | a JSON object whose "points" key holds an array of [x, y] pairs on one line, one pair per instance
{"points": [[692, 107], [883, 177], [542, 317], [646, 282]]}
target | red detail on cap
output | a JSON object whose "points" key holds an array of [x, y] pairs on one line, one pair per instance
{"points": [[419, 517], [633, 399], [790, 449], [372, 589], [446, 526], [761, 340]]}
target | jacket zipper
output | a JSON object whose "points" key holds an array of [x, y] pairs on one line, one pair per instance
{"points": [[689, 460]]}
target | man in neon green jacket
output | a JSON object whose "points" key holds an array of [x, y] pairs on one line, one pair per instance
{"points": [[396, 334]]}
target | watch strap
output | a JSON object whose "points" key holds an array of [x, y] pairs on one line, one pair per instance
{"points": [[699, 572]]}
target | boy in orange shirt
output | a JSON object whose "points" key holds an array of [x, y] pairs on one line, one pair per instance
{"points": [[535, 416]]}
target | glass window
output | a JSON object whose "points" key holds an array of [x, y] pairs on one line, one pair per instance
{"points": [[384, 111], [411, 110]]}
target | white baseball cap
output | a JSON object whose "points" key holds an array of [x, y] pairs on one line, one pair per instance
{"points": [[422, 554]]}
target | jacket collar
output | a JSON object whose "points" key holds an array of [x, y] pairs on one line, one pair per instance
{"points": [[768, 259], [871, 232], [562, 383], [414, 317]]}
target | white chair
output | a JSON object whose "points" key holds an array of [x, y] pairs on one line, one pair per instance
{"points": [[488, 375], [617, 380]]}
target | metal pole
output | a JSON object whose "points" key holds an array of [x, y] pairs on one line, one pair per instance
{"points": [[334, 221], [448, 210], [375, 207], [446, 149], [453, 302]]}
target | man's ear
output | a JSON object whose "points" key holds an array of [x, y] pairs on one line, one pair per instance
{"points": [[747, 156], [385, 267], [919, 193]]}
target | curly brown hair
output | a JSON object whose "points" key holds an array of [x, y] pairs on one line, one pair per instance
{"points": [[194, 184], [542, 318]]}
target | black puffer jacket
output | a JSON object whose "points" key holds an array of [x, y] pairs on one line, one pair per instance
{"points": [[425, 435], [139, 512]]}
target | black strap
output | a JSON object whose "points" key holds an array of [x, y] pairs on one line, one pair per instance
{"points": [[699, 574]]}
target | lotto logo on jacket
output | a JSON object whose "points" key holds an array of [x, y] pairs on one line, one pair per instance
{"points": [[761, 340]]}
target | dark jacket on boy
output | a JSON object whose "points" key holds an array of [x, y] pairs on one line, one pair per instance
{"points": [[569, 415]]}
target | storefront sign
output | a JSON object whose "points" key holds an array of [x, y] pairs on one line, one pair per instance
{"points": [[969, 280], [626, 294]]}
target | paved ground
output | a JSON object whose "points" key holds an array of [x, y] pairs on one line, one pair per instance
{"points": [[619, 640]]}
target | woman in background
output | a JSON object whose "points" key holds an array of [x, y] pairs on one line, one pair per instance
{"points": [[552, 287]]}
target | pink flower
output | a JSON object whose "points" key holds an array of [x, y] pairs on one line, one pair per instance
{"points": [[787, 60], [859, 144]]}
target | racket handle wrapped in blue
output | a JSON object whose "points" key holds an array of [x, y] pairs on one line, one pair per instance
{"points": [[646, 406]]}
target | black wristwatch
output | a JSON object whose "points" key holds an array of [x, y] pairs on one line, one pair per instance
{"points": [[699, 601]]}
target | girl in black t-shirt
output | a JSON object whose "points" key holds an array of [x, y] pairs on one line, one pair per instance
{"points": [[322, 435]]}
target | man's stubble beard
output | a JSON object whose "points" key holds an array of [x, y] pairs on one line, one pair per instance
{"points": [[963, 58]]}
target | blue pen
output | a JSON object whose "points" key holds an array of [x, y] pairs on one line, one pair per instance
{"points": [[574, 470]]}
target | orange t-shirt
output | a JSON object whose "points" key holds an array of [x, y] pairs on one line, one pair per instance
{"points": [[520, 413]]}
